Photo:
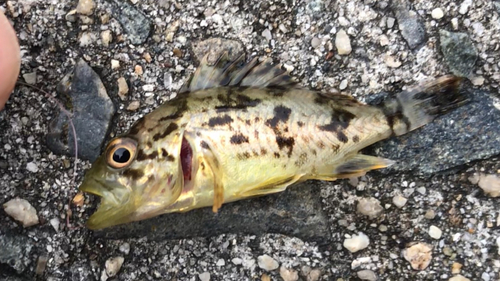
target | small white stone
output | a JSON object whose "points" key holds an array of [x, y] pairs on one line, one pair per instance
{"points": [[430, 214], [367, 275], [125, 248], [32, 167], [134, 105], [422, 190], [115, 64], [437, 13], [369, 207], [85, 7], [267, 263], [148, 87], [357, 242], [205, 276], [490, 184], [392, 62], [267, 34], [399, 201], [343, 43], [288, 274], [477, 81], [384, 40], [106, 37], [55, 223], [315, 42], [30, 78], [458, 277], [485, 276], [343, 84], [435, 232], [22, 211], [113, 265], [390, 22], [221, 262], [236, 261], [419, 255], [454, 23], [464, 7]]}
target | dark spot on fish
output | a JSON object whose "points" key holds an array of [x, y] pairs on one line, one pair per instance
{"points": [[342, 137], [248, 122], [300, 123], [198, 134], [263, 151], [256, 134], [231, 102], [164, 153], [355, 138], [238, 138], [305, 138], [276, 155], [243, 156], [340, 120], [172, 127], [302, 160], [133, 174], [202, 166], [257, 119], [149, 144], [246, 154], [281, 113], [255, 153], [287, 142], [141, 156], [321, 144], [204, 144], [220, 120], [319, 100], [136, 128], [335, 147], [181, 105], [170, 158], [314, 152]]}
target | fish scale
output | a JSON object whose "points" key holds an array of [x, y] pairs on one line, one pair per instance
{"points": [[239, 130]]}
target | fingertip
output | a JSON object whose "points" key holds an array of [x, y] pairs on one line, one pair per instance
{"points": [[10, 59]]}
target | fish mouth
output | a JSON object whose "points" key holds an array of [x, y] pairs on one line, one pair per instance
{"points": [[110, 211]]}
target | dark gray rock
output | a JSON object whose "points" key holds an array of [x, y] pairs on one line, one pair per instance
{"points": [[411, 26], [15, 251], [296, 212], [92, 113], [469, 133], [458, 51], [135, 24]]}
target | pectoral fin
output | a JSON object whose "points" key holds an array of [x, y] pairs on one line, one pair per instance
{"points": [[360, 164], [214, 165], [270, 187]]}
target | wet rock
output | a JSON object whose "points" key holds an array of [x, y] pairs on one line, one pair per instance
{"points": [[92, 112], [469, 133], [214, 47], [411, 26], [295, 212], [135, 24], [419, 255], [15, 251], [22, 211], [458, 51]]}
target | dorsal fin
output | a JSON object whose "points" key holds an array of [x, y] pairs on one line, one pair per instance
{"points": [[237, 73]]}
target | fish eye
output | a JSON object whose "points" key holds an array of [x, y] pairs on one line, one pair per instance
{"points": [[121, 152]]}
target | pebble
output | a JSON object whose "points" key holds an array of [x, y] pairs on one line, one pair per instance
{"points": [[135, 24], [459, 278], [265, 277], [138, 70], [435, 232], [390, 22], [399, 201], [314, 275], [459, 52], [30, 78], [267, 263], [384, 40], [125, 248], [356, 242], [343, 43], [221, 262], [456, 268], [113, 265], [122, 88], [485, 276], [367, 275], [32, 167], [267, 34], [490, 184], [370, 207], [21, 211], [115, 64], [315, 42], [419, 255], [477, 80], [41, 263], [430, 214], [343, 84], [464, 7], [288, 274], [411, 27], [55, 223], [106, 37], [85, 7], [148, 87], [205, 276], [437, 13], [237, 261], [134, 105], [391, 61]]}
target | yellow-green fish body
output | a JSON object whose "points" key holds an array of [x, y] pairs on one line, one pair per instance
{"points": [[243, 130]]}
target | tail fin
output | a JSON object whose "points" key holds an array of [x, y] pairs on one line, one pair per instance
{"points": [[416, 107]]}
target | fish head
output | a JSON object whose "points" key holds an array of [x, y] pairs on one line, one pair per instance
{"points": [[135, 178]]}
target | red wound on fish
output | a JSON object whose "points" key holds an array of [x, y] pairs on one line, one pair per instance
{"points": [[186, 159]]}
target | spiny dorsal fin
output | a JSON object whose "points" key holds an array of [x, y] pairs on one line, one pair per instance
{"points": [[237, 73]]}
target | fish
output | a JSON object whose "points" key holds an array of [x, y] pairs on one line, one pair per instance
{"points": [[238, 130]]}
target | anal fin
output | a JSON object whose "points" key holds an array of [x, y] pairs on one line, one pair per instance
{"points": [[270, 187], [360, 164], [214, 165]]}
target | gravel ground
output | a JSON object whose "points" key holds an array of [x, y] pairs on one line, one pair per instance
{"points": [[444, 217]]}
